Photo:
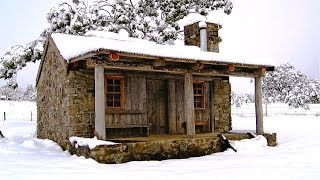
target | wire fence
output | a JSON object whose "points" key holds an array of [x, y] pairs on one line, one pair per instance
{"points": [[246, 110], [275, 109], [27, 116]]}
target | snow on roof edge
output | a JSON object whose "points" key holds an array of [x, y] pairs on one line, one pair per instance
{"points": [[177, 58], [73, 46]]}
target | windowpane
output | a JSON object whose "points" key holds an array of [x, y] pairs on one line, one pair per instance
{"points": [[198, 90], [197, 99], [116, 97], [117, 89], [109, 97], [110, 82], [114, 92], [197, 104], [110, 103], [117, 104], [116, 81], [110, 89]]}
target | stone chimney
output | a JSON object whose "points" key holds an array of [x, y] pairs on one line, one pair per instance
{"points": [[192, 35]]}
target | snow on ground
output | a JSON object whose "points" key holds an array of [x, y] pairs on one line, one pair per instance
{"points": [[90, 142], [248, 109], [22, 156]]}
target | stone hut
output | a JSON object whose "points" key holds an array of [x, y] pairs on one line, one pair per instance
{"points": [[113, 86]]}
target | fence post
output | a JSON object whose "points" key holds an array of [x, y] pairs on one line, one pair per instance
{"points": [[4, 116], [266, 109]]}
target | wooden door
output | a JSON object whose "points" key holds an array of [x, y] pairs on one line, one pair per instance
{"points": [[157, 106]]}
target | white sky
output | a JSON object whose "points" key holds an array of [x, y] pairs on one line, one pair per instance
{"points": [[285, 31]]}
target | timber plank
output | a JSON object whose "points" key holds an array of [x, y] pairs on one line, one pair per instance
{"points": [[189, 103], [180, 106], [172, 107], [128, 98]]}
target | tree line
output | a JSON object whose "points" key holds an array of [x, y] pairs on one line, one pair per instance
{"points": [[287, 85], [18, 94]]}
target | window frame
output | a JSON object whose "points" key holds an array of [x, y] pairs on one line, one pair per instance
{"points": [[202, 95], [121, 93]]}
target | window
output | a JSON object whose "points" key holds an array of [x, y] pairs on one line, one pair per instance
{"points": [[198, 94], [114, 92]]}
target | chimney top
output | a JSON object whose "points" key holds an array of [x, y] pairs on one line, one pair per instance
{"points": [[192, 35], [202, 24]]}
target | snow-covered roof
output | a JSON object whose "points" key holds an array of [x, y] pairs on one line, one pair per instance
{"points": [[73, 46]]}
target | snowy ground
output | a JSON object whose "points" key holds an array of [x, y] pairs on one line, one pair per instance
{"points": [[22, 156]]}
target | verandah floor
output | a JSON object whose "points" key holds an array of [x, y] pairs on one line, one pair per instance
{"points": [[160, 147]]}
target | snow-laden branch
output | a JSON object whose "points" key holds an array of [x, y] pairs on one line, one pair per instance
{"points": [[154, 20]]}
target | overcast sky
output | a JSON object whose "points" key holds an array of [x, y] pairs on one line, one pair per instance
{"points": [[281, 30]]}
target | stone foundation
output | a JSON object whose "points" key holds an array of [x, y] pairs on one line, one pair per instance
{"points": [[159, 148]]}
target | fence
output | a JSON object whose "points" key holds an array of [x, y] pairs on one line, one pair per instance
{"points": [[28, 116], [245, 110], [275, 109]]}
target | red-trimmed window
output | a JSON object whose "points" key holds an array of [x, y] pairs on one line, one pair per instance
{"points": [[114, 88], [198, 94]]}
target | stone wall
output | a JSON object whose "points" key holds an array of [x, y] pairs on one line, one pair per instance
{"points": [[222, 105], [192, 36], [160, 149], [80, 105], [53, 122], [65, 101]]}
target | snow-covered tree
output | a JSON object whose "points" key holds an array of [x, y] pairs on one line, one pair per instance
{"points": [[10, 93], [315, 91], [287, 85], [16, 57], [239, 99], [18, 94], [77, 18], [29, 94], [155, 20]]}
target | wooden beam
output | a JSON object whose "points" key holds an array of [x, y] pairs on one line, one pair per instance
{"points": [[141, 56], [197, 66], [258, 105], [170, 70], [172, 107], [82, 57], [260, 71], [168, 59], [158, 63], [225, 72], [212, 106], [189, 103], [132, 67], [99, 103], [155, 75]]}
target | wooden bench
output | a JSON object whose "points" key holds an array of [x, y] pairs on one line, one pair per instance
{"points": [[129, 126], [202, 124]]}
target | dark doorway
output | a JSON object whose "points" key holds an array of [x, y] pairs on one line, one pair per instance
{"points": [[157, 106]]}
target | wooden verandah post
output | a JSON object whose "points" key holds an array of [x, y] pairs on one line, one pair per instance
{"points": [[258, 104], [189, 104], [172, 106], [99, 103]]}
